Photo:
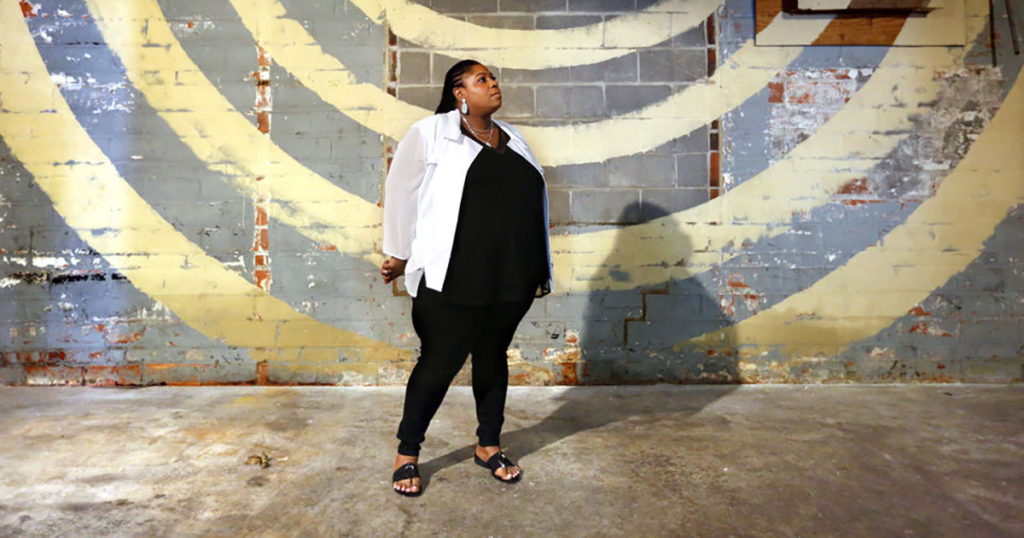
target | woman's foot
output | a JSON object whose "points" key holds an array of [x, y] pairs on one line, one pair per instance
{"points": [[505, 473], [409, 484]]}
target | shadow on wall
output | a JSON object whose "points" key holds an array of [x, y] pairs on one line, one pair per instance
{"points": [[628, 335], [618, 349]]}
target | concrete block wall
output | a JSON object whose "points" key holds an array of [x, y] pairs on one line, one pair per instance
{"points": [[189, 194], [677, 175]]}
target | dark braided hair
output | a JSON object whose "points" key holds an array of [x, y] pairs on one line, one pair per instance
{"points": [[452, 79]]}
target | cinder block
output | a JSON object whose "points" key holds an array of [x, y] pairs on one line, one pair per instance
{"points": [[681, 307], [692, 170], [464, 6], [606, 206], [561, 22], [672, 65], [621, 69], [516, 102], [602, 6], [532, 76], [696, 141], [644, 170], [660, 202], [531, 6], [423, 96], [695, 37], [515, 22], [620, 99], [570, 101], [413, 67], [576, 175], [558, 206]]}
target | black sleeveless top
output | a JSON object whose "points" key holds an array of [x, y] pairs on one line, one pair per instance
{"points": [[499, 253]]}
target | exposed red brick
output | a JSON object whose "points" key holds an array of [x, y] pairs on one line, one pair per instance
{"points": [[858, 186], [777, 91], [124, 338], [27, 9], [714, 171], [262, 259], [191, 24], [262, 58], [710, 29], [262, 278], [262, 241], [261, 216], [262, 373], [922, 328], [918, 311], [323, 247], [734, 281], [263, 122], [568, 374], [108, 376]]}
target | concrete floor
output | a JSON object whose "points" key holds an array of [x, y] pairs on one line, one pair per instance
{"points": [[654, 460]]}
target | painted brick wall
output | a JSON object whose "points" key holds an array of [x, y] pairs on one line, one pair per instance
{"points": [[190, 192]]}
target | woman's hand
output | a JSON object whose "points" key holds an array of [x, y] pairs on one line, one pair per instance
{"points": [[392, 269]]}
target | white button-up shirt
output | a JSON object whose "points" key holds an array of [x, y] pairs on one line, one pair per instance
{"points": [[423, 193]]}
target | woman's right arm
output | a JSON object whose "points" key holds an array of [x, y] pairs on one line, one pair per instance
{"points": [[401, 190]]}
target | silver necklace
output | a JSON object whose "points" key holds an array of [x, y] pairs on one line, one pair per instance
{"points": [[479, 134]]}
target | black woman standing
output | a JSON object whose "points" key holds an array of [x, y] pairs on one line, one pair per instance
{"points": [[466, 222]]}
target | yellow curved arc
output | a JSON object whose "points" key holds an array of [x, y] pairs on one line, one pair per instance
{"points": [[226, 140], [879, 285], [89, 194], [582, 260], [539, 49], [745, 73]]}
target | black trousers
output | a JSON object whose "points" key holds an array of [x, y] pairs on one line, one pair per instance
{"points": [[449, 332]]}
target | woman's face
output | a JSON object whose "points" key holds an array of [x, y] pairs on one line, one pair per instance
{"points": [[480, 89]]}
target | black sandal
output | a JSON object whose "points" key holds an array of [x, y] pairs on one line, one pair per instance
{"points": [[495, 462], [406, 471]]}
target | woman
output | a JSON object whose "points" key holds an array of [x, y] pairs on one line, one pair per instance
{"points": [[466, 222]]}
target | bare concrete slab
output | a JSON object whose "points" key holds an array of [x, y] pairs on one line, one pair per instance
{"points": [[655, 460]]}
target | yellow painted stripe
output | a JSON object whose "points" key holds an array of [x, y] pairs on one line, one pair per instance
{"points": [[745, 73], [92, 198], [539, 49], [880, 284], [681, 245], [690, 242], [197, 108], [224, 139], [655, 251]]}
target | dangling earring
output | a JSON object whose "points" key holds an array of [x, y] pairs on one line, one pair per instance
{"points": [[465, 108]]}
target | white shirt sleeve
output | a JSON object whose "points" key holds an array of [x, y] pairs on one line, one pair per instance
{"points": [[401, 193]]}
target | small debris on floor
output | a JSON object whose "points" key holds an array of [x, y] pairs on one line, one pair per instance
{"points": [[263, 460]]}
